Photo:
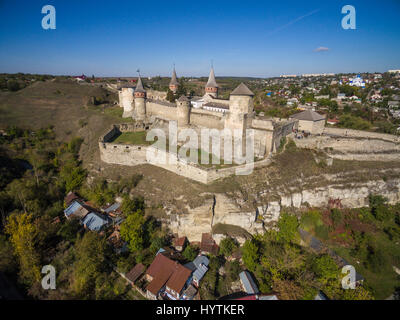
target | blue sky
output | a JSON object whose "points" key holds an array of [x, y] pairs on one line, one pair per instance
{"points": [[243, 38]]}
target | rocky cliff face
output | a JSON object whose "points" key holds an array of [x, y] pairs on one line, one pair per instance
{"points": [[224, 210]]}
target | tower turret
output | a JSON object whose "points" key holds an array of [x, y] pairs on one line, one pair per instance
{"points": [[140, 100], [241, 100], [183, 109], [212, 86], [174, 84], [240, 108]]}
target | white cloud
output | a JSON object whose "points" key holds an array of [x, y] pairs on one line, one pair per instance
{"points": [[320, 49]]}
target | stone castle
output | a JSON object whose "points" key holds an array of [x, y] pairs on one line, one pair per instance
{"points": [[208, 111]]}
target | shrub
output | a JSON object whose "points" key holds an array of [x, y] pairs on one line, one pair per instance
{"points": [[190, 253], [227, 246]]}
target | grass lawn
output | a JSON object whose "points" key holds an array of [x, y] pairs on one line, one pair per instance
{"points": [[136, 138]]}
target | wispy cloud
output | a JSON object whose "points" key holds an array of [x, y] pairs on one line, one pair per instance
{"points": [[321, 49], [293, 22]]}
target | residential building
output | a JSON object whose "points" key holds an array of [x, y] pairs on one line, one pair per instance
{"points": [[208, 244], [166, 275], [248, 284]]}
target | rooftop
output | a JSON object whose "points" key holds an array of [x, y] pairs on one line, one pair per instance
{"points": [[248, 282], [211, 83], [242, 90], [136, 272], [308, 115]]}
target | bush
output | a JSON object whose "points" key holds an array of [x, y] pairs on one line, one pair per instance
{"points": [[13, 85], [288, 227], [250, 254], [189, 253], [336, 216], [227, 246], [379, 207]]}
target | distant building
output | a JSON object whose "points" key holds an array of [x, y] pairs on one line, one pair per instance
{"points": [[357, 82], [332, 121], [322, 97], [310, 121]]}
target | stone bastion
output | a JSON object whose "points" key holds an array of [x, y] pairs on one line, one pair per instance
{"points": [[134, 155]]}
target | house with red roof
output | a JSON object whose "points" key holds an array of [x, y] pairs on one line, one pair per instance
{"points": [[168, 277]]}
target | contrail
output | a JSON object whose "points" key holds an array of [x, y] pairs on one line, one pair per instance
{"points": [[293, 21]]}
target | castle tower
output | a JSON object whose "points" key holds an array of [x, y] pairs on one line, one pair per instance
{"points": [[126, 101], [212, 86], [241, 100], [174, 84], [183, 109], [140, 101], [241, 108]]}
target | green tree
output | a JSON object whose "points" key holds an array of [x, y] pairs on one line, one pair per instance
{"points": [[325, 268], [157, 243], [133, 230], [288, 227], [251, 254], [189, 253], [227, 246], [131, 205], [379, 207], [90, 263], [170, 96], [22, 232], [72, 176]]}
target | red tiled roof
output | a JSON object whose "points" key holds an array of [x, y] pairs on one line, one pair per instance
{"points": [[208, 244], [179, 242], [136, 272], [178, 278], [166, 271]]}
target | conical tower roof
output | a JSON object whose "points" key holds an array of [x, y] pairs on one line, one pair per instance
{"points": [[242, 90], [174, 80], [139, 86], [211, 83]]}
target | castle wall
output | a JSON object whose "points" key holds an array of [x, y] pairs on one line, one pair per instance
{"points": [[361, 134], [205, 118], [122, 154], [156, 95], [347, 148], [161, 111]]}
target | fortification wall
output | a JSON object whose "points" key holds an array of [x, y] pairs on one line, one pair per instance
{"points": [[353, 148], [360, 134], [122, 154], [161, 111], [156, 95], [130, 155], [205, 118]]}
